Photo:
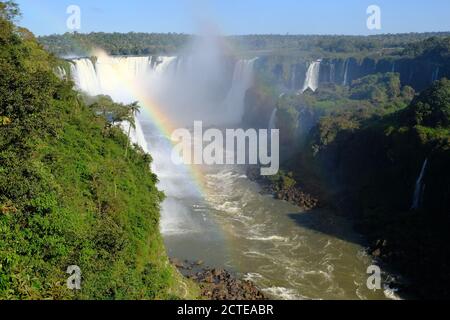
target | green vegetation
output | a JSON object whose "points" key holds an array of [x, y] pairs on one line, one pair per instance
{"points": [[361, 147], [74, 192], [432, 108], [68, 195], [287, 115], [157, 43], [335, 108], [132, 43], [282, 181], [371, 165], [435, 48]]}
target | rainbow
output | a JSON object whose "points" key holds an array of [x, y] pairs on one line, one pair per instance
{"points": [[163, 124]]}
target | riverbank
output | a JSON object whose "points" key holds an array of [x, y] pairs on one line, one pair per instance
{"points": [[218, 284], [284, 187], [378, 250]]}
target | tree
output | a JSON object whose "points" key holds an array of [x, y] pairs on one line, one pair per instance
{"points": [[67, 194], [9, 10], [432, 107], [134, 109]]}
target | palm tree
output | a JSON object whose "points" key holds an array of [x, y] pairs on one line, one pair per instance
{"points": [[133, 109]]}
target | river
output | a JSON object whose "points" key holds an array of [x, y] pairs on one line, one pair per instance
{"points": [[232, 224], [227, 222]]}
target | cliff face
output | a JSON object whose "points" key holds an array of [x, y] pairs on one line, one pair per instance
{"points": [[377, 170], [290, 73], [287, 72], [377, 161], [373, 166], [392, 177], [414, 72], [376, 175]]}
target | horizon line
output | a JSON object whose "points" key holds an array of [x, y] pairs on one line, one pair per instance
{"points": [[252, 34]]}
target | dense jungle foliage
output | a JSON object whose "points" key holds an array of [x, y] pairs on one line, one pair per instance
{"points": [[68, 194]]}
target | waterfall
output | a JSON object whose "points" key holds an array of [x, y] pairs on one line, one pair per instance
{"points": [[115, 75], [242, 81], [164, 64], [273, 120], [393, 67], [293, 77], [435, 75], [180, 87], [332, 72], [193, 79], [85, 76], [120, 77], [136, 134], [61, 73], [346, 72], [107, 76], [420, 187], [312, 76]]}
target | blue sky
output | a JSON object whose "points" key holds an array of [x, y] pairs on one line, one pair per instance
{"points": [[237, 16]]}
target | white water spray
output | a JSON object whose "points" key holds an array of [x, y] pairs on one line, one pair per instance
{"points": [[85, 76], [242, 81], [177, 83]]}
